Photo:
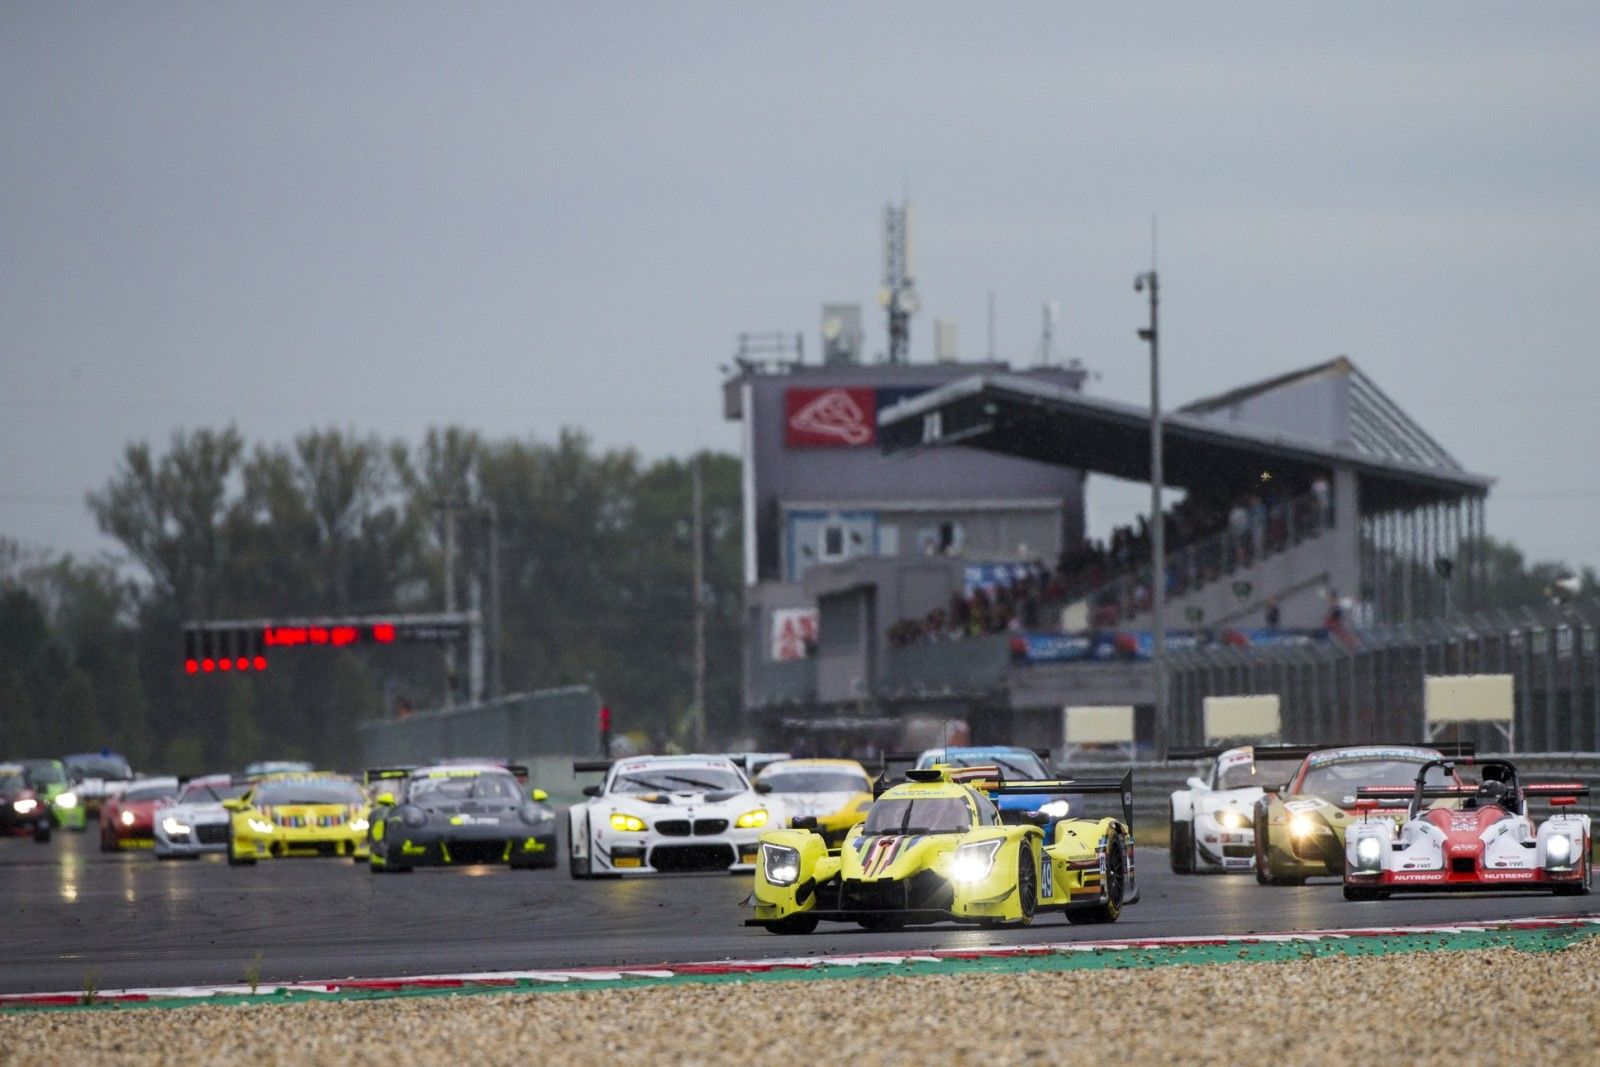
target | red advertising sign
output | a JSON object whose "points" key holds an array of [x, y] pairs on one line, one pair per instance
{"points": [[830, 418], [792, 630]]}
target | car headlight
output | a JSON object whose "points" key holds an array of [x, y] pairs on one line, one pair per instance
{"points": [[1230, 819], [752, 819], [173, 827], [1369, 853], [413, 816], [1558, 850], [260, 826], [358, 824], [973, 862], [1302, 825], [1056, 809], [127, 818], [625, 823], [25, 805], [782, 865], [534, 813], [67, 800]]}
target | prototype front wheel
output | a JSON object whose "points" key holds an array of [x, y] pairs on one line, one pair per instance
{"points": [[1359, 892], [1027, 884], [794, 924], [1116, 877]]}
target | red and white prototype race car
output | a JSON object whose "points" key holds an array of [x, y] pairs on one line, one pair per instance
{"points": [[1468, 837]]}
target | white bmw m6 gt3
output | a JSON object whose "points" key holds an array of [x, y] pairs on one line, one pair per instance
{"points": [[655, 814]]}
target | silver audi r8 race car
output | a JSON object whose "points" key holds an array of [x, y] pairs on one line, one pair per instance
{"points": [[196, 822], [667, 813]]}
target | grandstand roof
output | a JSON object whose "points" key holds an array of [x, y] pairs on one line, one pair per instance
{"points": [[1397, 464]]}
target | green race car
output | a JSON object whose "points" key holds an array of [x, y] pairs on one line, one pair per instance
{"points": [[1300, 825], [52, 783]]}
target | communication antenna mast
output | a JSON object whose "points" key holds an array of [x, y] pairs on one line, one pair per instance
{"points": [[898, 296], [1047, 334]]}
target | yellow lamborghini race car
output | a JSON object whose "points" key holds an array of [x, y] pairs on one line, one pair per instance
{"points": [[298, 816], [933, 849]]}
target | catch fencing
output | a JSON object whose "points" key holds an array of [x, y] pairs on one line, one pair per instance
{"points": [[1367, 684]]}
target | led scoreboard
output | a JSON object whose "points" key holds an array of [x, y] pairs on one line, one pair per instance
{"points": [[246, 645]]}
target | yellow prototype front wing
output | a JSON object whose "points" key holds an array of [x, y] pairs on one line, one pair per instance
{"points": [[307, 830]]}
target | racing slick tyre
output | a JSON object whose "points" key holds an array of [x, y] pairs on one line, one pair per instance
{"points": [[883, 924], [234, 858], [579, 869], [794, 924], [105, 842], [1360, 892], [1180, 843], [41, 833], [1116, 887], [1027, 884]]}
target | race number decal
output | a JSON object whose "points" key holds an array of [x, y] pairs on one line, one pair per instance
{"points": [[1047, 876]]}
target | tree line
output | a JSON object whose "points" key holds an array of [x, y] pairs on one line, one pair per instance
{"points": [[595, 572]]}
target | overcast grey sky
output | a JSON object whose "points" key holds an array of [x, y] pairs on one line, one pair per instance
{"points": [[521, 217]]}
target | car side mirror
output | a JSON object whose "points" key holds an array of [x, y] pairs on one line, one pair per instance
{"points": [[1034, 818], [763, 787], [235, 804], [1196, 782], [1278, 788], [804, 822], [386, 799], [591, 790], [539, 795]]}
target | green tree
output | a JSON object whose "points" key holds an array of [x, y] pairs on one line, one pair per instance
{"points": [[76, 716]]}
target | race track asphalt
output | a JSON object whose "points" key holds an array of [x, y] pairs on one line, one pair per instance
{"points": [[133, 921]]}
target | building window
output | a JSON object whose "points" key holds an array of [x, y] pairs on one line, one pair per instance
{"points": [[832, 542]]}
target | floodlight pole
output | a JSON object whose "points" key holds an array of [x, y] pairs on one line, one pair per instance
{"points": [[1158, 526]]}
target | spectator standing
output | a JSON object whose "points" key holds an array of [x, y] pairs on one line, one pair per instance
{"points": [[1322, 493], [1238, 533]]}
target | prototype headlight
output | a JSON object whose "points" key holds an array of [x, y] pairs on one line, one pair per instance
{"points": [[1229, 819], [173, 827], [752, 819], [781, 865], [1369, 852], [358, 824], [127, 818], [1302, 825], [973, 862], [625, 823], [1056, 809], [260, 826], [67, 800], [1558, 850], [25, 805]]}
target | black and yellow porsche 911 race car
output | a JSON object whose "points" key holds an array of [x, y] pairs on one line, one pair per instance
{"points": [[934, 849], [457, 814]]}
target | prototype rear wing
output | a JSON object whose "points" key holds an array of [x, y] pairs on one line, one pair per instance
{"points": [[384, 774], [1556, 790], [1123, 787], [1283, 752]]}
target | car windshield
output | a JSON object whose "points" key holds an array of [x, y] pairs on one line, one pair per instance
{"points": [[12, 783], [1261, 772], [151, 792], [679, 780], [99, 767], [816, 781], [919, 815], [1013, 765], [1337, 782], [447, 789], [46, 772], [212, 794], [277, 793]]}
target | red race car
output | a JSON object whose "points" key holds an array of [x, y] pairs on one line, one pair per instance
{"points": [[128, 820], [1468, 836], [22, 811]]}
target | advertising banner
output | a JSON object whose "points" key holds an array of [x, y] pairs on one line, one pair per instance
{"points": [[792, 630], [838, 416], [1105, 645]]}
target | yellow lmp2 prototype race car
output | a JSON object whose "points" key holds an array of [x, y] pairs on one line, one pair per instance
{"points": [[933, 849], [311, 815], [1300, 825]]}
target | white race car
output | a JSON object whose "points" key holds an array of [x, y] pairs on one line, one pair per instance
{"points": [[197, 822], [1211, 828], [667, 813]]}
